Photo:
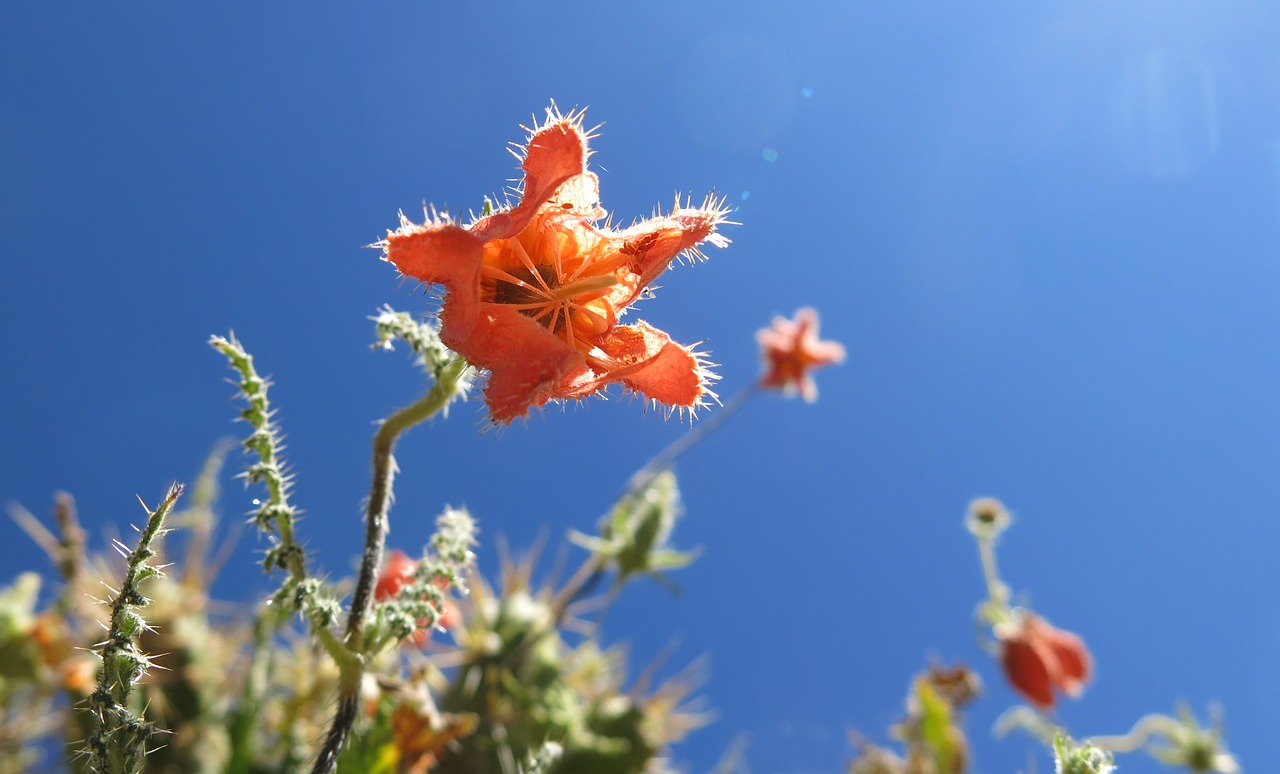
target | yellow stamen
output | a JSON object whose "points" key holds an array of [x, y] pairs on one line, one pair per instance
{"points": [[581, 287]]}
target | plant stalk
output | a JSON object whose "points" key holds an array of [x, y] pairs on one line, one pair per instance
{"points": [[375, 537]]}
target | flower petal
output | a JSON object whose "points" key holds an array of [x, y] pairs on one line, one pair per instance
{"points": [[581, 196], [556, 152], [1027, 665], [534, 292], [528, 365], [1039, 659], [791, 351], [445, 254], [655, 366], [654, 243], [1074, 660]]}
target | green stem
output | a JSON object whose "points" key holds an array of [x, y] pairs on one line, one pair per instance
{"points": [[118, 743], [1146, 727], [384, 468], [594, 564], [277, 513], [996, 590]]}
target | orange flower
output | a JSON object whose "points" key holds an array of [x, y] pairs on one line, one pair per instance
{"points": [[396, 573], [534, 291], [791, 350], [1040, 660]]}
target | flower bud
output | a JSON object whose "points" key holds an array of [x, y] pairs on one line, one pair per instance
{"points": [[1041, 661]]}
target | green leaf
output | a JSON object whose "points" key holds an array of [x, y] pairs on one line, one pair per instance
{"points": [[935, 725]]}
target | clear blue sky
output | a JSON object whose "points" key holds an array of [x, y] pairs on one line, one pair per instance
{"points": [[1048, 234]]}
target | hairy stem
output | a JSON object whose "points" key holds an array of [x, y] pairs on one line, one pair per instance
{"points": [[277, 514], [118, 742], [384, 468]]}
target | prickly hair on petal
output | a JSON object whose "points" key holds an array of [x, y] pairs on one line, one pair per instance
{"points": [[445, 254], [655, 243], [528, 364], [579, 196], [555, 153], [655, 366]]}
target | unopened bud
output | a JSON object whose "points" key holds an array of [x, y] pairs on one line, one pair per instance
{"points": [[987, 517]]}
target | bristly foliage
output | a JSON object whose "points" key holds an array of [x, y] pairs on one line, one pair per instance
{"points": [[120, 737], [275, 516], [424, 339], [417, 605], [634, 535], [1072, 757]]}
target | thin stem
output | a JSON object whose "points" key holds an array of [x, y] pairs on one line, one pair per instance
{"points": [[1146, 727], [72, 540], [996, 590], [200, 520], [664, 459], [584, 577], [277, 513], [384, 469]]}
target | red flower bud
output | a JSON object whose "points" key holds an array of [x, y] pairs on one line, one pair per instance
{"points": [[1040, 661], [396, 573]]}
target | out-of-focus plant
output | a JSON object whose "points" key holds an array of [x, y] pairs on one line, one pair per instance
{"points": [[931, 734], [1179, 741], [1041, 661], [419, 663]]}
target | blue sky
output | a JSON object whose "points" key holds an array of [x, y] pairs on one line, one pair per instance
{"points": [[1048, 235]]}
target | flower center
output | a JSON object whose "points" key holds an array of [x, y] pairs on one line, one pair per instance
{"points": [[552, 283]]}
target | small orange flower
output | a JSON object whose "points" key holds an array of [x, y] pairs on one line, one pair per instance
{"points": [[791, 350], [1040, 660], [396, 573], [534, 291]]}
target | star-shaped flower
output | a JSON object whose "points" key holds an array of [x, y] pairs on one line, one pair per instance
{"points": [[791, 350], [533, 293]]}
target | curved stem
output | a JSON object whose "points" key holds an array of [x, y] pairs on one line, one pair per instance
{"points": [[997, 592], [1146, 727], [375, 536]]}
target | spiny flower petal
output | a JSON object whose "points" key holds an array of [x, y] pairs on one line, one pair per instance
{"points": [[656, 366], [533, 293]]}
